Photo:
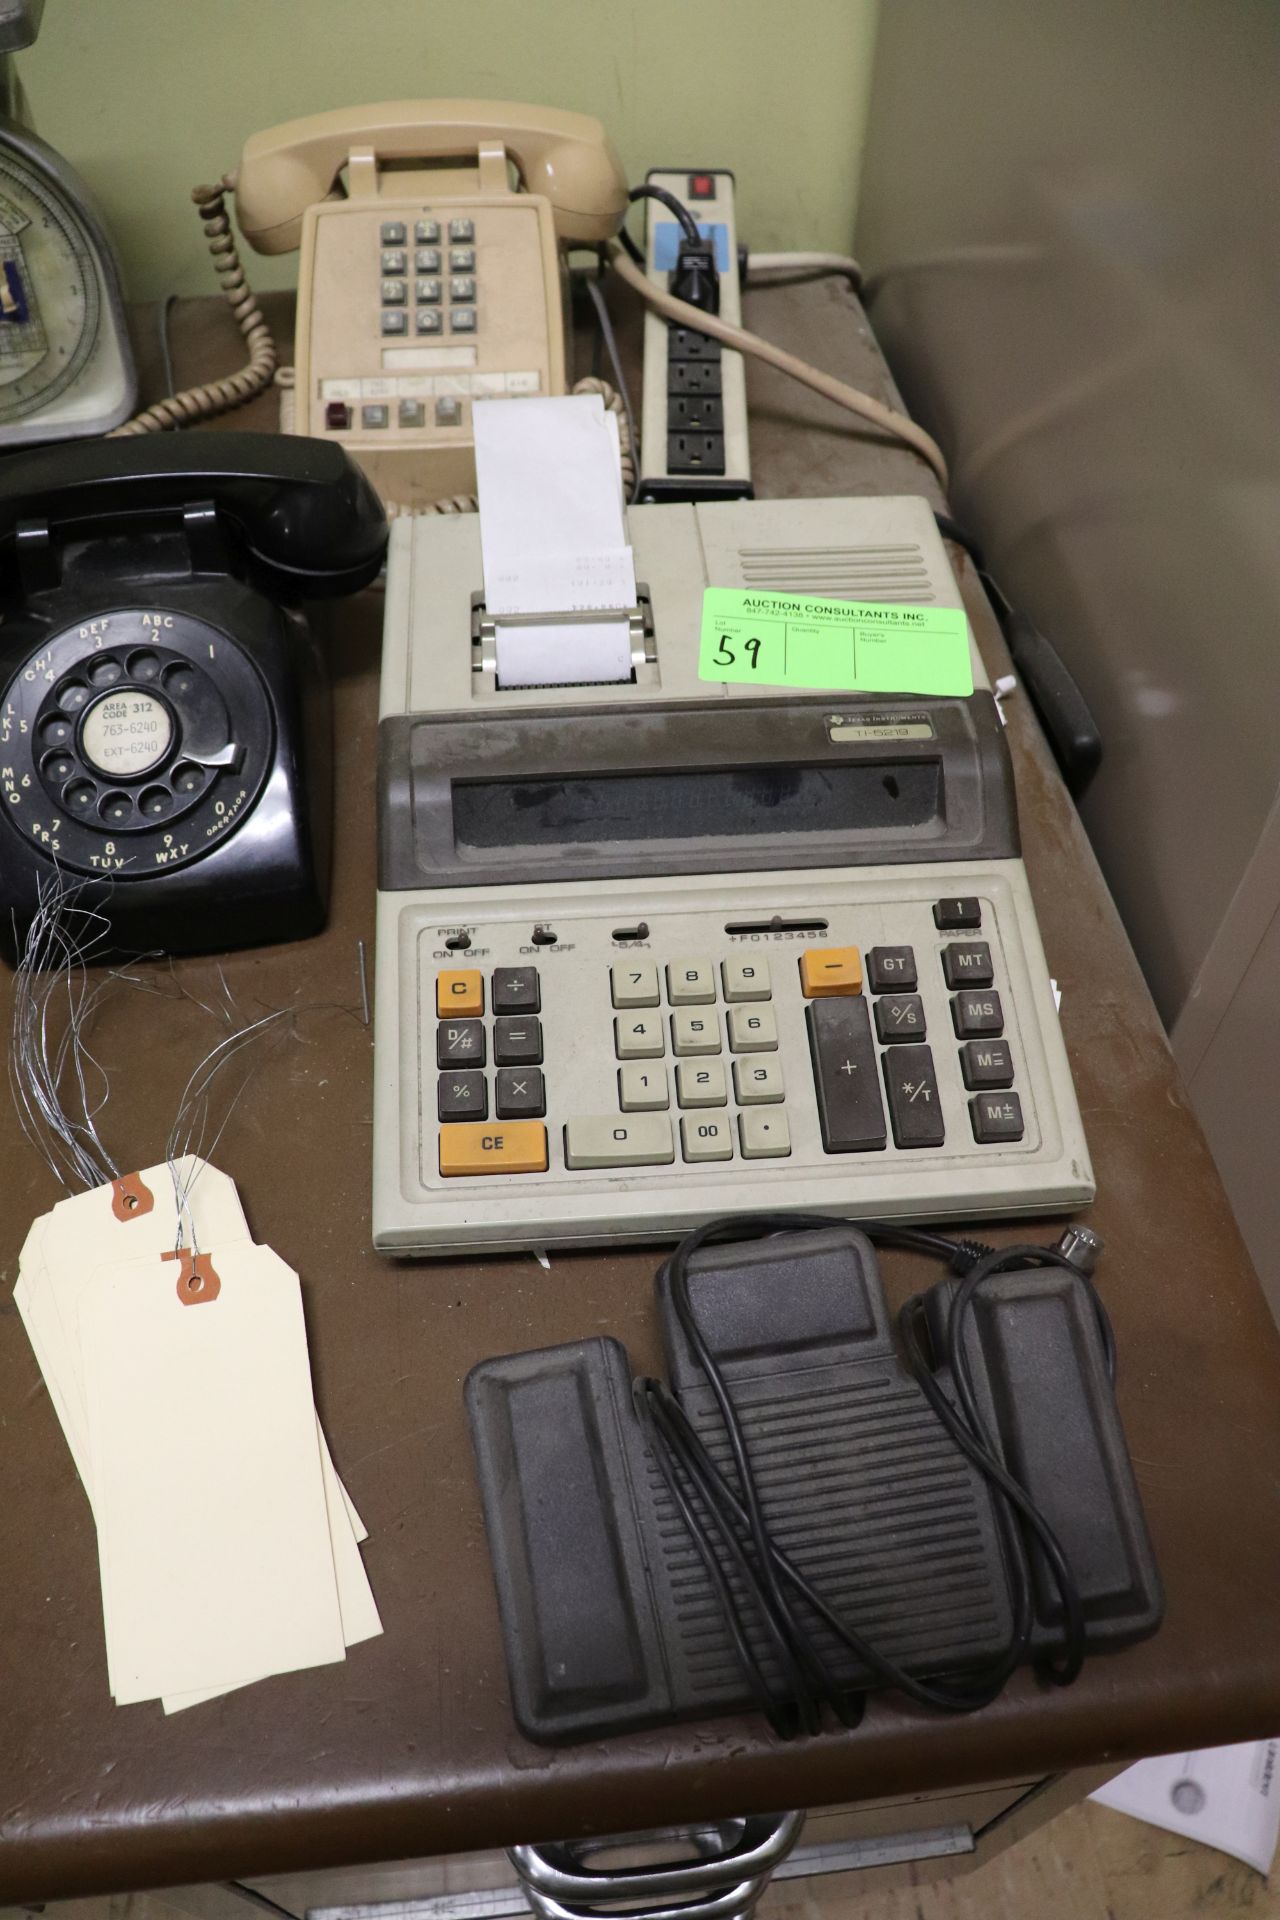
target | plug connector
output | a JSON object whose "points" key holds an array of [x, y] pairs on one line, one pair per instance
{"points": [[696, 278]]}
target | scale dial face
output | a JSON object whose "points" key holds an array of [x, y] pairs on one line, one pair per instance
{"points": [[65, 364], [50, 297]]}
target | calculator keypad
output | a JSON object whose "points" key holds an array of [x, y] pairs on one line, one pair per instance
{"points": [[698, 1055]]}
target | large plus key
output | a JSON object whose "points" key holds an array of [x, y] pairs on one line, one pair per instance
{"points": [[844, 1069]]}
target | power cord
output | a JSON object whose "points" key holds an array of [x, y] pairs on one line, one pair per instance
{"points": [[217, 396], [729, 1521], [803, 266]]}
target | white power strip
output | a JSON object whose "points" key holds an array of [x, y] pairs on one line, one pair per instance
{"points": [[693, 440]]}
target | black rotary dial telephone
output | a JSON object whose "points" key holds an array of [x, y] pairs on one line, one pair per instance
{"points": [[163, 720]]}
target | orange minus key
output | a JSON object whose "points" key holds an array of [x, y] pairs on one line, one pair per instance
{"points": [[830, 970], [493, 1146]]}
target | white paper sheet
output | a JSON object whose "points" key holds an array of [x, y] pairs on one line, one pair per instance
{"points": [[564, 653], [1224, 1797], [553, 537], [213, 1528]]}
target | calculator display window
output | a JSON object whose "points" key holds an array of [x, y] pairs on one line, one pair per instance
{"points": [[718, 802]]}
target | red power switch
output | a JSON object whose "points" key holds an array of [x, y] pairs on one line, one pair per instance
{"points": [[702, 186], [337, 416]]}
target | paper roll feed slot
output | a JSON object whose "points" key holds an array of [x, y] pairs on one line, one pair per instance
{"points": [[588, 647]]}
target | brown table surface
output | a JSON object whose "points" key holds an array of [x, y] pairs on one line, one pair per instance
{"points": [[409, 1747]]}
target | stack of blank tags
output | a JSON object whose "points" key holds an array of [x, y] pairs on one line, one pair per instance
{"points": [[177, 1362]]}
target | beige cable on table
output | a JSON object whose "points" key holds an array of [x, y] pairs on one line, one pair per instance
{"points": [[888, 419], [218, 396]]}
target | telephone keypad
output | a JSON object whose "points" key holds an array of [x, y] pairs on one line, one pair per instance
{"points": [[426, 260], [462, 229], [427, 292], [393, 234], [426, 230], [394, 320], [462, 319], [394, 260], [394, 293], [462, 286], [462, 259], [428, 320]]}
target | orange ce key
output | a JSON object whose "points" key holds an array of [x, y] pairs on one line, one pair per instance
{"points": [[830, 970], [497, 1146]]}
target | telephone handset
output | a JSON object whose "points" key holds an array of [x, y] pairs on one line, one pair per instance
{"points": [[427, 279], [163, 709]]}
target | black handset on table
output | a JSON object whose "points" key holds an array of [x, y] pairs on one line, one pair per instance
{"points": [[164, 719]]}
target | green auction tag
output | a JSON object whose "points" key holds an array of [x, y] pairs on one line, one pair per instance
{"points": [[850, 646]]}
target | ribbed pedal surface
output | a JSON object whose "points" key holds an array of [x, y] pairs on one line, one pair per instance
{"points": [[868, 1496]]}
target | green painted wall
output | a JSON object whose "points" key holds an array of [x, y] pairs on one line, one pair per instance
{"points": [[148, 97]]}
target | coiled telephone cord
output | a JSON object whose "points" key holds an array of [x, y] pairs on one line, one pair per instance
{"points": [[217, 396]]}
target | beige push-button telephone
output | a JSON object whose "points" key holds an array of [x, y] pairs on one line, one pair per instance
{"points": [[428, 278]]}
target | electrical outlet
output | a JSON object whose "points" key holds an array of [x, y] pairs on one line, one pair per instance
{"points": [[691, 376], [695, 453], [693, 440], [684, 344], [695, 413]]}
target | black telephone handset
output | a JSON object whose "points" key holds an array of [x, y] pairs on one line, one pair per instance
{"points": [[164, 726]]}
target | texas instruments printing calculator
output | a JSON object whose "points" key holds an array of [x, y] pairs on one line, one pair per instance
{"points": [[651, 949]]}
